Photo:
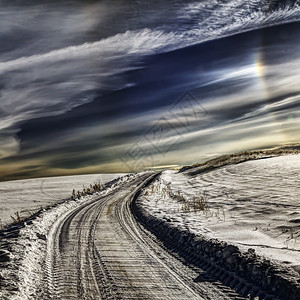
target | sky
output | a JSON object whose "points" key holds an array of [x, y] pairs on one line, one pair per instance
{"points": [[104, 86]]}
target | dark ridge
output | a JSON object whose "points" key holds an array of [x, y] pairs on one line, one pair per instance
{"points": [[239, 157]]}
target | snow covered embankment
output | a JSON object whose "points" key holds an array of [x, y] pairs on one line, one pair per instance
{"points": [[191, 223]]}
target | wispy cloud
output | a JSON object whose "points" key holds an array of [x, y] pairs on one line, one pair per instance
{"points": [[79, 89]]}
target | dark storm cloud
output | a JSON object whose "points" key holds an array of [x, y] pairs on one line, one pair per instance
{"points": [[82, 82], [161, 81]]}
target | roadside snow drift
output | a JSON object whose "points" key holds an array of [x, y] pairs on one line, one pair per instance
{"points": [[255, 204]]}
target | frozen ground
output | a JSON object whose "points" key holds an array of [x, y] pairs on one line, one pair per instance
{"points": [[255, 204], [29, 195], [93, 248]]}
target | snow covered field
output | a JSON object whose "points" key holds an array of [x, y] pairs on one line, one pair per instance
{"points": [[26, 196], [255, 204]]}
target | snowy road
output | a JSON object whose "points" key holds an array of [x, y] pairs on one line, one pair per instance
{"points": [[97, 250]]}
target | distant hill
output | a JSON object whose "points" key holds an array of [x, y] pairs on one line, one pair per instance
{"points": [[240, 157]]}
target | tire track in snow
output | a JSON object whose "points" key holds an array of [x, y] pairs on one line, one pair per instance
{"points": [[99, 251], [94, 257]]}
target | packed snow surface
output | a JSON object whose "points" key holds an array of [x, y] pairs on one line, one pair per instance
{"points": [[255, 204], [27, 196]]}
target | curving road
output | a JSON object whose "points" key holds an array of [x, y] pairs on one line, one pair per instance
{"points": [[99, 251]]}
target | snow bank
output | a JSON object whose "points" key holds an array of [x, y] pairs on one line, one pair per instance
{"points": [[253, 207], [253, 204]]}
